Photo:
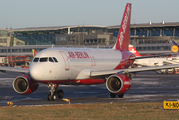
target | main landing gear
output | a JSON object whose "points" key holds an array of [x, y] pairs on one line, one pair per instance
{"points": [[54, 92], [113, 95]]}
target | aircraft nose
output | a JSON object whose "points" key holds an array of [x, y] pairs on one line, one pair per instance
{"points": [[37, 72]]}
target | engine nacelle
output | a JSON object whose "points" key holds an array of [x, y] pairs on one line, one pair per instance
{"points": [[24, 84], [118, 84]]}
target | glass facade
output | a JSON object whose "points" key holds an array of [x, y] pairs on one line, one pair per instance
{"points": [[177, 32], [151, 32], [154, 33], [37, 37], [152, 38], [153, 48], [48, 37], [89, 30], [168, 32], [3, 32], [139, 35]]}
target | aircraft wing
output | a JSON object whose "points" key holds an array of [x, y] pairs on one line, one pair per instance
{"points": [[131, 70], [20, 70], [159, 55], [169, 62]]}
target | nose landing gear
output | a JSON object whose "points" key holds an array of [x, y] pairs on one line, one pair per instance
{"points": [[54, 92]]}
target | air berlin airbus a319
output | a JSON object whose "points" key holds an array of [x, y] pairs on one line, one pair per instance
{"points": [[83, 66]]}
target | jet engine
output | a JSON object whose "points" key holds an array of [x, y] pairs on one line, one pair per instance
{"points": [[24, 84], [118, 84]]}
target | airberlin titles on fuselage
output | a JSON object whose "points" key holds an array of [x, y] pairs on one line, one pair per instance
{"points": [[78, 55]]}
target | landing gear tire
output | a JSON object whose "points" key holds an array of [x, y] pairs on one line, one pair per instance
{"points": [[51, 97], [60, 94], [54, 92], [113, 95], [54, 97], [120, 95]]}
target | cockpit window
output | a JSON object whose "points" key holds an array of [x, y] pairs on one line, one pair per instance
{"points": [[36, 60], [50, 59], [44, 59], [55, 59]]}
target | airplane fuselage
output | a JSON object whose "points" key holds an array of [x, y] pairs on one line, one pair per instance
{"points": [[76, 63]]}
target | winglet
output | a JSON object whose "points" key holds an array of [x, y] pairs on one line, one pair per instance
{"points": [[174, 46], [34, 52], [122, 42], [133, 50]]}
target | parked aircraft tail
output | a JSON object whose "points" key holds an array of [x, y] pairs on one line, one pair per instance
{"points": [[34, 52], [133, 50], [174, 47]]}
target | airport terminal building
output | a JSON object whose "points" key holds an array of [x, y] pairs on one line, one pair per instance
{"points": [[146, 38]]}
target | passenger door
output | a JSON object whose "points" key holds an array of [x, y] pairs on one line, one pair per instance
{"points": [[66, 60]]}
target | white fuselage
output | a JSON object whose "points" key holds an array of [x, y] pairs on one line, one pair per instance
{"points": [[73, 63]]}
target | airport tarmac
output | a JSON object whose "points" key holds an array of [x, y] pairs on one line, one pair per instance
{"points": [[146, 87]]}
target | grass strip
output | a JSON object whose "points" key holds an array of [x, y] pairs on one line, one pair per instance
{"points": [[97, 111]]}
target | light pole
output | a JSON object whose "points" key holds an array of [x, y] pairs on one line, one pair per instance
{"points": [[7, 48]]}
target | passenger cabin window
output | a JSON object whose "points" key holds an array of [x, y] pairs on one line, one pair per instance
{"points": [[44, 59], [50, 59], [55, 59], [36, 60]]}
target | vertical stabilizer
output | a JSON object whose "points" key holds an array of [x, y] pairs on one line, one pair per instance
{"points": [[122, 42], [174, 47], [34, 52], [133, 50]]}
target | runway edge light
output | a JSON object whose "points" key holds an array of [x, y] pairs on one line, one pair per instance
{"points": [[67, 100], [10, 103]]}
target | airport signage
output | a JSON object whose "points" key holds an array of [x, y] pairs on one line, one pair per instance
{"points": [[170, 104]]}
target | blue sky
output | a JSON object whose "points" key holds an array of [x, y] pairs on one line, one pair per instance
{"points": [[44, 13]]}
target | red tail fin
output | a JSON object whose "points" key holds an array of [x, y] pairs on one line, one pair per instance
{"points": [[133, 50], [122, 42]]}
